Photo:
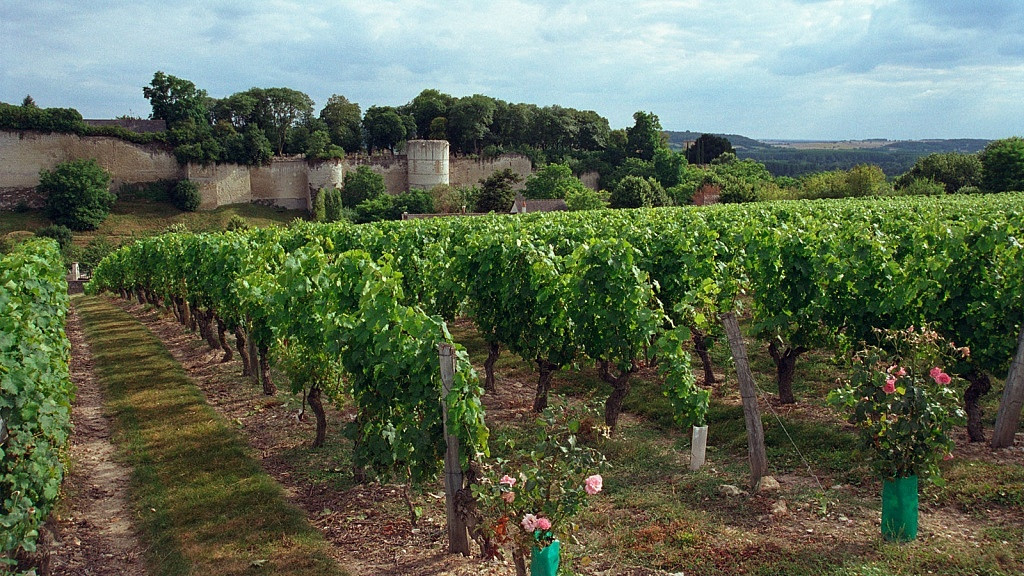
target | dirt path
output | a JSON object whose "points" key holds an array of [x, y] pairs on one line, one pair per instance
{"points": [[367, 525], [92, 532]]}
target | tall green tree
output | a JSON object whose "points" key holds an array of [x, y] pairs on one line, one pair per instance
{"points": [[496, 193], [469, 121], [645, 136], [384, 128], [176, 100], [1003, 163], [552, 181], [426, 107], [708, 147], [344, 122]]}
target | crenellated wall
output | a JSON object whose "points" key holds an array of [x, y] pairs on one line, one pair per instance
{"points": [[289, 182]]}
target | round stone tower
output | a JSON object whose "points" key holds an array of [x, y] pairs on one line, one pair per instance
{"points": [[428, 163]]}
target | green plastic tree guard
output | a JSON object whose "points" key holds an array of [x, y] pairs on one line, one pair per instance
{"points": [[544, 561], [899, 509]]}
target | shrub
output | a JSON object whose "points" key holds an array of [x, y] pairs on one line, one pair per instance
{"points": [[60, 233], [327, 207], [586, 199], [77, 194], [496, 193], [237, 222], [186, 196], [638, 192], [360, 185]]}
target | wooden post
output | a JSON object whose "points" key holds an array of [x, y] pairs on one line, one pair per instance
{"points": [[1013, 399], [458, 537], [748, 392]]}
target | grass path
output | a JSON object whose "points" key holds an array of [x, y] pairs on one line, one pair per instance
{"points": [[203, 504]]}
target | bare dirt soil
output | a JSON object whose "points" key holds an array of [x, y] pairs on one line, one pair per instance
{"points": [[91, 533]]}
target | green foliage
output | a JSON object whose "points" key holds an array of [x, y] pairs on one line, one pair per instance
{"points": [[708, 147], [496, 193], [449, 199], [384, 128], [35, 404], [328, 205], [319, 147], [1003, 163], [77, 194], [552, 181], [344, 123], [919, 187], [62, 234], [952, 170], [469, 121], [94, 252], [638, 192], [237, 222], [903, 402], [186, 196], [64, 120], [176, 101], [645, 137], [545, 478], [361, 185], [584, 198]]}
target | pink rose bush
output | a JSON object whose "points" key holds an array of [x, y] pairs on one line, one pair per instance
{"points": [[896, 387], [527, 500]]}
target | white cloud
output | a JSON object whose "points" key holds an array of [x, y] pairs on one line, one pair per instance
{"points": [[796, 68]]}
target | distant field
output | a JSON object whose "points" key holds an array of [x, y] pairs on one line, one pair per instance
{"points": [[830, 145]]}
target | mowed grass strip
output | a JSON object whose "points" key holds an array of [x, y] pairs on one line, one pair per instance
{"points": [[204, 505]]}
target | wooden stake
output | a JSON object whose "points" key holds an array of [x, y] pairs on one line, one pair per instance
{"points": [[1013, 399], [458, 537], [748, 392]]}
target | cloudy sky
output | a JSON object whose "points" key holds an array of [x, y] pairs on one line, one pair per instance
{"points": [[800, 69]]}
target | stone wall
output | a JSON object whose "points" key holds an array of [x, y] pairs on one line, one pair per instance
{"points": [[24, 154], [288, 182], [465, 171]]}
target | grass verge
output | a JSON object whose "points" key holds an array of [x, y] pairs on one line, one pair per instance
{"points": [[204, 505]]}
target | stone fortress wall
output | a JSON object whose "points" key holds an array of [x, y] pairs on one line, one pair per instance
{"points": [[289, 182]]}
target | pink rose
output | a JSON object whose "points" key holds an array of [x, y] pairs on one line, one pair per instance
{"points": [[901, 372], [509, 497], [943, 379], [543, 524], [934, 373], [890, 385], [507, 480], [529, 522], [948, 456], [593, 484]]}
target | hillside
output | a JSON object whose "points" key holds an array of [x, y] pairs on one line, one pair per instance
{"points": [[799, 157]]}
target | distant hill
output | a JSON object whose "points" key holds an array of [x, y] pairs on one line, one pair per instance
{"points": [[798, 157]]}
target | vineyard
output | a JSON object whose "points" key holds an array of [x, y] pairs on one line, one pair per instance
{"points": [[355, 315]]}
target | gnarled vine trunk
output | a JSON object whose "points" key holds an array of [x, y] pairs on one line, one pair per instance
{"points": [[223, 340], [785, 366], [243, 350], [321, 418], [980, 385], [700, 345], [211, 331], [268, 385], [492, 357], [620, 387], [547, 370]]}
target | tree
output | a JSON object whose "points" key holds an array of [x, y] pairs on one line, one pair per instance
{"points": [[176, 100], [638, 192], [586, 199], [469, 121], [551, 181], [1003, 163], [668, 166], [496, 193], [428, 106], [361, 185], [952, 170], [645, 136], [707, 148], [344, 123], [77, 194], [866, 180], [29, 102], [383, 127], [283, 108]]}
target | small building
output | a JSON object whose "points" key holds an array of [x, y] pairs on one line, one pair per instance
{"points": [[522, 205]]}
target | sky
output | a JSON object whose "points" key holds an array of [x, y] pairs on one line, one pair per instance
{"points": [[786, 69]]}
